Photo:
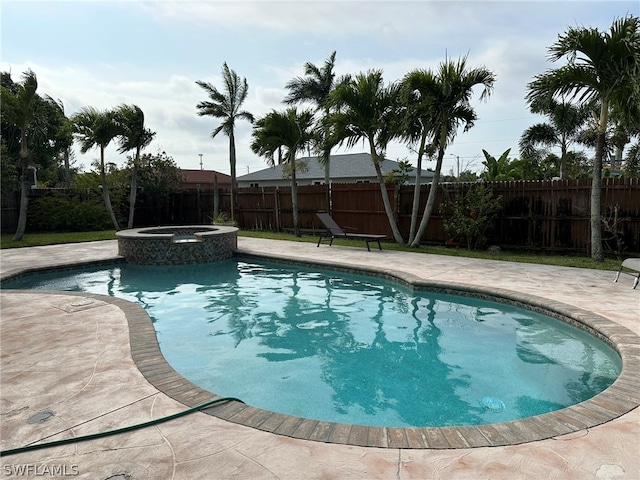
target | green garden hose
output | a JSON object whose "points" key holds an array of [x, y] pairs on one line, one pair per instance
{"points": [[93, 436]]}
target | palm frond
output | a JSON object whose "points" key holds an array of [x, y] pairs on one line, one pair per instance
{"points": [[315, 86]]}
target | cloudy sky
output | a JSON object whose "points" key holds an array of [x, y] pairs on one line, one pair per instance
{"points": [[101, 54]]}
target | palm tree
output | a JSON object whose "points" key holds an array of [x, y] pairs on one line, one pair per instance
{"points": [[19, 107], [94, 128], [601, 67], [416, 129], [65, 139], [631, 166], [565, 127], [448, 93], [625, 129], [226, 106], [315, 88], [292, 130], [367, 111], [133, 136]]}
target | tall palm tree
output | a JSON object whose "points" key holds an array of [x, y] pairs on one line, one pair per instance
{"points": [[19, 107], [315, 87], [367, 111], [226, 106], [133, 136], [566, 122], [94, 128], [601, 67], [448, 92], [416, 129], [291, 130]]}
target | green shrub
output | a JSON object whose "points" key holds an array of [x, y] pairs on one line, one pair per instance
{"points": [[60, 212], [473, 215]]}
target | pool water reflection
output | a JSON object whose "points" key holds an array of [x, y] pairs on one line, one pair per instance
{"points": [[346, 348]]}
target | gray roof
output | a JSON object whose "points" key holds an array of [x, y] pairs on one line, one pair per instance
{"points": [[351, 165]]}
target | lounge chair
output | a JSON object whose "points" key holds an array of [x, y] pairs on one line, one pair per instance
{"points": [[334, 231], [630, 264]]}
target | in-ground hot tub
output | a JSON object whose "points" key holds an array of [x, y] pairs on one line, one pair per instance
{"points": [[178, 245]]}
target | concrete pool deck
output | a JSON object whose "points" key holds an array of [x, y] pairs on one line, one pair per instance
{"points": [[73, 358]]}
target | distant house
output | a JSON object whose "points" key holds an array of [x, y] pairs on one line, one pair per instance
{"points": [[347, 168], [204, 180]]}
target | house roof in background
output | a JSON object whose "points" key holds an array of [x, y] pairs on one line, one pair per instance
{"points": [[204, 176], [352, 165]]}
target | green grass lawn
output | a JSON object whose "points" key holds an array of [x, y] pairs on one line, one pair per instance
{"points": [[34, 239], [49, 238]]}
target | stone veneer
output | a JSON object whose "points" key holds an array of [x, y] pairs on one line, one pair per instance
{"points": [[178, 245]]}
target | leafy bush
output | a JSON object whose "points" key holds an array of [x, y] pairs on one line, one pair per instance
{"points": [[473, 215], [223, 218], [60, 212]]}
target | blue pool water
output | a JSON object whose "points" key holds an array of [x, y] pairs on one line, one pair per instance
{"points": [[352, 349]]}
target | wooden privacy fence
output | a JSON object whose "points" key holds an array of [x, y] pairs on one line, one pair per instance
{"points": [[540, 216], [550, 216]]}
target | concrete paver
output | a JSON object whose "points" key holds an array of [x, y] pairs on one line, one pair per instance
{"points": [[74, 360]]}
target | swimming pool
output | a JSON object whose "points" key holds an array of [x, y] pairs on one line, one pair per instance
{"points": [[362, 379]]}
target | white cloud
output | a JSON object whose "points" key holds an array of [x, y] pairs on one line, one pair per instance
{"points": [[344, 18], [179, 42]]}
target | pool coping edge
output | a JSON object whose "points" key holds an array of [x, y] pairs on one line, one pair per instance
{"points": [[620, 398]]}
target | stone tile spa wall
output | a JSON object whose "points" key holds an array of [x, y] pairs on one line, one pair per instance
{"points": [[178, 245]]}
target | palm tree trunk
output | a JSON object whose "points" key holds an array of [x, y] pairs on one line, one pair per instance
{"points": [[327, 166], [216, 199], [67, 168], [327, 185], [24, 190], [596, 186], [385, 197], [105, 191], [294, 195], [563, 158], [134, 188], [232, 166], [416, 190], [431, 200]]}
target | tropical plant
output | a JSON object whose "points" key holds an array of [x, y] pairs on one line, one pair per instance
{"points": [[416, 129], [158, 177], [19, 109], [566, 122], [467, 176], [226, 106], [501, 169], [400, 175], [365, 110], [32, 128], [601, 67], [473, 215], [9, 174], [96, 129], [631, 166], [446, 104], [315, 88], [291, 130], [626, 129], [63, 139], [133, 136]]}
